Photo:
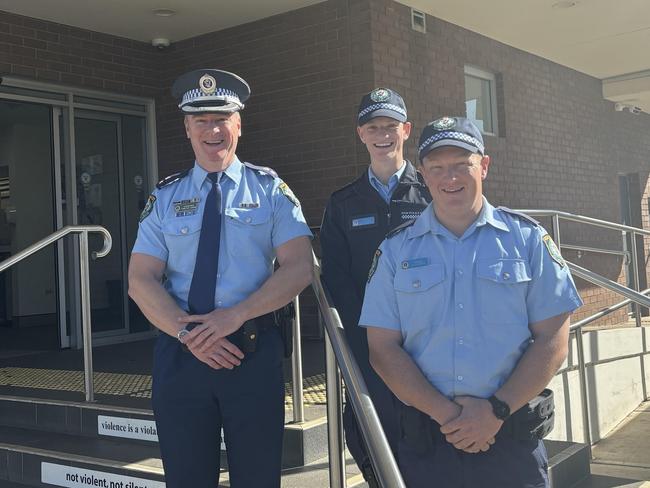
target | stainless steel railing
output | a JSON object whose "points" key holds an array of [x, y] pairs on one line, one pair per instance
{"points": [[341, 362], [82, 231]]}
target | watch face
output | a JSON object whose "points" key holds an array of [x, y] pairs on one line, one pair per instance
{"points": [[182, 333]]}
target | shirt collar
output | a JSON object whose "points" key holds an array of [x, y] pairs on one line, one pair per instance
{"points": [[391, 181], [428, 222], [233, 171]]}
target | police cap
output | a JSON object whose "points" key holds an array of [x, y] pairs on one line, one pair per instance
{"points": [[381, 102], [210, 91], [451, 131]]}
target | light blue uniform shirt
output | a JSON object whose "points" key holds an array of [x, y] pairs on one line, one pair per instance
{"points": [[463, 305], [386, 191], [257, 218]]}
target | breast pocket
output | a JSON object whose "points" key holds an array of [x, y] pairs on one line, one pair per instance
{"points": [[502, 287], [182, 239], [248, 231], [421, 297]]}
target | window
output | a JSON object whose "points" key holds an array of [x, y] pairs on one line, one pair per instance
{"points": [[481, 100]]}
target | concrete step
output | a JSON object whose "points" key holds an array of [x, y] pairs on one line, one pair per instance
{"points": [[304, 442], [31, 458], [568, 463]]}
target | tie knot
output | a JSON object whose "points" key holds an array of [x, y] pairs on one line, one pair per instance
{"points": [[215, 177]]}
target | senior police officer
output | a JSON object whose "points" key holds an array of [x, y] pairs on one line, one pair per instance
{"points": [[467, 311], [356, 220], [202, 272]]}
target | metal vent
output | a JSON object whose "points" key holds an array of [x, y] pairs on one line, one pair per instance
{"points": [[418, 21]]}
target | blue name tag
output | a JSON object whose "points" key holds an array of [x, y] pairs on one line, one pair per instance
{"points": [[362, 221], [415, 263]]}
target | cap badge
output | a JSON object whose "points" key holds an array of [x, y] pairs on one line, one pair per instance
{"points": [[379, 95], [207, 84], [444, 123]]}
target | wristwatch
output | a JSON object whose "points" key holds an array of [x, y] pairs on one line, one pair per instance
{"points": [[500, 408], [183, 332]]}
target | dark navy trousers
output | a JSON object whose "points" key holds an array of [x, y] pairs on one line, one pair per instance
{"points": [[509, 463], [192, 402]]}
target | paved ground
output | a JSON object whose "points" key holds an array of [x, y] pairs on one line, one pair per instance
{"points": [[622, 459]]}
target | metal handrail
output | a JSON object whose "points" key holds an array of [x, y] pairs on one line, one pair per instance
{"points": [[381, 456], [603, 313], [585, 220], [82, 231]]}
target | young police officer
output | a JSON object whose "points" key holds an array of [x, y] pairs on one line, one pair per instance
{"points": [[467, 311], [356, 220], [213, 232]]}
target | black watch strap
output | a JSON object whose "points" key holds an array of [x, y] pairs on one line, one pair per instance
{"points": [[500, 408]]}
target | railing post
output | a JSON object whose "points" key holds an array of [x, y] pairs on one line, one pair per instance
{"points": [[84, 269], [334, 418], [556, 230], [296, 362], [584, 397], [635, 278]]}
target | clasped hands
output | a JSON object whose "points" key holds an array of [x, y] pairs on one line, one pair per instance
{"points": [[207, 341], [475, 426]]}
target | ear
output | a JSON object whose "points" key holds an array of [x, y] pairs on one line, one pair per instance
{"points": [[407, 130], [359, 133], [485, 164], [187, 126]]}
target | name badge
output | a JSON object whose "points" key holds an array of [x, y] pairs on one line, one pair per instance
{"points": [[415, 263], [363, 221], [249, 205], [183, 208]]}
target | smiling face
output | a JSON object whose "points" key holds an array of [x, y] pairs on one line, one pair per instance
{"points": [[384, 138], [455, 177], [214, 138]]}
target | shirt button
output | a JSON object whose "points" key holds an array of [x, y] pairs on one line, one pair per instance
{"points": [[219, 303], [459, 377], [248, 220], [459, 272], [417, 283], [218, 275], [460, 341], [506, 276], [184, 230], [461, 306]]}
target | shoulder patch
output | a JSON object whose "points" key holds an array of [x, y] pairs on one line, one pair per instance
{"points": [[373, 265], [262, 169], [286, 191], [553, 250], [521, 215], [400, 228], [172, 179], [148, 207]]}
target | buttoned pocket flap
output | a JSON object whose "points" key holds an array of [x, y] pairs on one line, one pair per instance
{"points": [[249, 216], [413, 280], [181, 227], [504, 271]]}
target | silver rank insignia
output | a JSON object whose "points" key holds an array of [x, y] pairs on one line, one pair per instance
{"points": [[207, 84], [379, 95], [552, 249], [183, 208], [286, 191], [147, 208], [444, 123]]}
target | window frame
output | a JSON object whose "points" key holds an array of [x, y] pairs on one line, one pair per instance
{"points": [[491, 78]]}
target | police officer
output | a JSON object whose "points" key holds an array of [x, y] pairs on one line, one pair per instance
{"points": [[202, 272], [467, 311], [356, 220]]}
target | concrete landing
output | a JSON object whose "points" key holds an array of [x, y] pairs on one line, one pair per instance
{"points": [[622, 459]]}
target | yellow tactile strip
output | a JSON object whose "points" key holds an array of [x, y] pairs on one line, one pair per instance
{"points": [[132, 385]]}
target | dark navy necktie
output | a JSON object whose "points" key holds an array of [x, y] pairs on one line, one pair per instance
{"points": [[204, 279]]}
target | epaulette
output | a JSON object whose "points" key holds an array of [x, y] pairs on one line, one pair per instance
{"points": [[262, 169], [400, 228], [172, 179], [522, 215]]}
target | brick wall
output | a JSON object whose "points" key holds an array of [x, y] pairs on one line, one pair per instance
{"points": [[50, 52], [564, 146]]}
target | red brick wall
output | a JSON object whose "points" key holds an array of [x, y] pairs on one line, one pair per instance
{"points": [[51, 52], [564, 144]]}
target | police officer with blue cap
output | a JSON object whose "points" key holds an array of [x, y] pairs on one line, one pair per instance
{"points": [[467, 311], [356, 220], [202, 272]]}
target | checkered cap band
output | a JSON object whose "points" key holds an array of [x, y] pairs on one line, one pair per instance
{"points": [[220, 94], [380, 106], [455, 136]]}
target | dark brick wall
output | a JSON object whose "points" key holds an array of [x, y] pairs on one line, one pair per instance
{"points": [[564, 144], [46, 51], [307, 69]]}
